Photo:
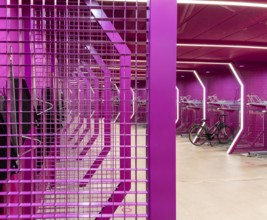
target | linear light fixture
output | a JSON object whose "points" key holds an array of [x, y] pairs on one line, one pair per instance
{"points": [[203, 2], [242, 99], [203, 87], [223, 46], [225, 3], [123, 0], [133, 101], [177, 105], [231, 148], [204, 94]]}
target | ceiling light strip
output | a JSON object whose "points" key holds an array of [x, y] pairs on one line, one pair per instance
{"points": [[225, 3], [223, 46], [202, 2]]}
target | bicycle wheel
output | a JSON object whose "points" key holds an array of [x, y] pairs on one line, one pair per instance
{"points": [[197, 135], [225, 135]]}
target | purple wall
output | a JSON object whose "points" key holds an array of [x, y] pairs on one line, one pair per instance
{"points": [[223, 84], [255, 80], [189, 86]]}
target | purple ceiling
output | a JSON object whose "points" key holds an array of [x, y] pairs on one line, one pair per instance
{"points": [[223, 25]]}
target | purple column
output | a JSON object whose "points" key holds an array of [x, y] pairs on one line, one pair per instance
{"points": [[27, 50], [162, 114]]}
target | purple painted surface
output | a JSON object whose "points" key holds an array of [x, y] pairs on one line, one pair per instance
{"points": [[191, 111], [85, 96], [189, 85], [13, 37], [27, 60], [107, 94], [47, 75], [96, 113], [109, 28], [8, 33], [255, 131], [162, 166], [107, 118], [125, 102], [76, 105], [224, 86], [125, 138]]}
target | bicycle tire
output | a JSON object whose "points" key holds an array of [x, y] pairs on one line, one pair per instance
{"points": [[225, 135], [197, 135]]}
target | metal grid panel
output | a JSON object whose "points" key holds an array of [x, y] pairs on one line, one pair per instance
{"points": [[73, 143]]}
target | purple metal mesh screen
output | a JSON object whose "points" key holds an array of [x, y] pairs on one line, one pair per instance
{"points": [[73, 109]]}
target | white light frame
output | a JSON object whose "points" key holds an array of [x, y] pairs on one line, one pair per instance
{"points": [[204, 113], [221, 46], [202, 2], [133, 106], [177, 105], [242, 98], [224, 3]]}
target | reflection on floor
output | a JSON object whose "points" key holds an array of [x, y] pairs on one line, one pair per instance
{"points": [[212, 185]]}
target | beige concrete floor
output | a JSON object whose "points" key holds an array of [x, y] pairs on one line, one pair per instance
{"points": [[212, 185]]}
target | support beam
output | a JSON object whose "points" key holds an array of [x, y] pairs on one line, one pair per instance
{"points": [[162, 112]]}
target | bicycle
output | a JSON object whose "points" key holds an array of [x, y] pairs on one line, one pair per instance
{"points": [[200, 133]]}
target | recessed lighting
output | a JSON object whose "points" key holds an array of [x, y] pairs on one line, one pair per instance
{"points": [[241, 66], [207, 71], [182, 76]]}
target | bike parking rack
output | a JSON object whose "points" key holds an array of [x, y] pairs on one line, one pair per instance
{"points": [[190, 103], [234, 77]]}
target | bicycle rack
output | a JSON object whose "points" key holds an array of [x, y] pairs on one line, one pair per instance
{"points": [[254, 135], [189, 113], [218, 106]]}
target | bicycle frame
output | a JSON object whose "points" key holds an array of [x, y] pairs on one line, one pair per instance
{"points": [[211, 132]]}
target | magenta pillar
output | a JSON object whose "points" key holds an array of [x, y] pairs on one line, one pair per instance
{"points": [[27, 49], [162, 111]]}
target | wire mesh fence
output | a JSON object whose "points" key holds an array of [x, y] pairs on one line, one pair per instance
{"points": [[73, 110]]}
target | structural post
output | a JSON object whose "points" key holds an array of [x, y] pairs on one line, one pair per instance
{"points": [[162, 109]]}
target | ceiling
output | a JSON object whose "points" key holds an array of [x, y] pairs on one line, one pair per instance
{"points": [[221, 25], [204, 25]]}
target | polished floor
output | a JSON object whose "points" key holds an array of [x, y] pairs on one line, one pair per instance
{"points": [[212, 185]]}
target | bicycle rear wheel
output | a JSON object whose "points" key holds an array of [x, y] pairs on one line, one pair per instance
{"points": [[197, 135], [225, 135]]}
